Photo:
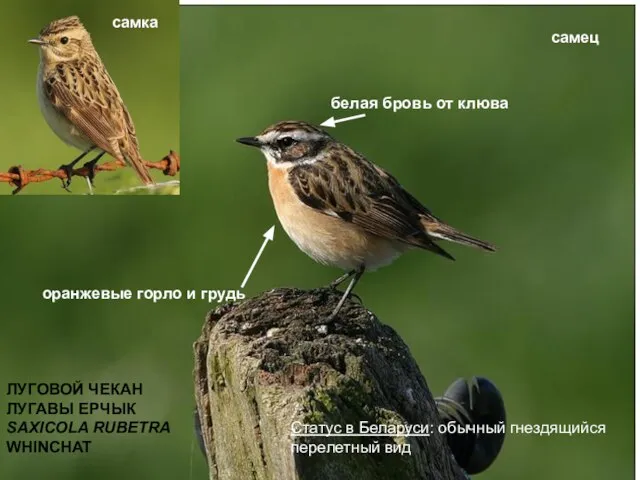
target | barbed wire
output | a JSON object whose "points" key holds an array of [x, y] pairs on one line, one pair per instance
{"points": [[20, 178]]}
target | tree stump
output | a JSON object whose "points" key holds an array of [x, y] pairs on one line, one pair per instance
{"points": [[269, 362]]}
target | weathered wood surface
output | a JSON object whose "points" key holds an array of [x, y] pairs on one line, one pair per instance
{"points": [[268, 362]]}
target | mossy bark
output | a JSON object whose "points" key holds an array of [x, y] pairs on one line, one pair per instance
{"points": [[268, 362]]}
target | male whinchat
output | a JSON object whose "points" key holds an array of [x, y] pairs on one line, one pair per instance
{"points": [[79, 100], [341, 209]]}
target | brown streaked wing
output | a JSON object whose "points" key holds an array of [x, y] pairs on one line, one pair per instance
{"points": [[410, 199], [132, 146], [86, 95], [356, 192]]}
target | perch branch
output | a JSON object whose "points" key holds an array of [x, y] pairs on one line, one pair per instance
{"points": [[20, 178]]}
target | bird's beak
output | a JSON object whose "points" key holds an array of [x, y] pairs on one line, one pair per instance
{"points": [[251, 141], [36, 41]]}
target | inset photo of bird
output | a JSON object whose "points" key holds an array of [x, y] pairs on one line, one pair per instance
{"points": [[342, 209], [80, 103]]}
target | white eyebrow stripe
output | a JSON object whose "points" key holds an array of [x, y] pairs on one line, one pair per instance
{"points": [[267, 137], [304, 136], [299, 135]]}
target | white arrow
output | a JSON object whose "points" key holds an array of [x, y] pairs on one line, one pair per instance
{"points": [[331, 122], [268, 235]]}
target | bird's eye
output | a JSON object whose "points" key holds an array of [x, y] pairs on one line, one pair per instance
{"points": [[64, 40], [285, 142]]}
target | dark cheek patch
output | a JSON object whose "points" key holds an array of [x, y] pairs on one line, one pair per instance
{"points": [[298, 150]]}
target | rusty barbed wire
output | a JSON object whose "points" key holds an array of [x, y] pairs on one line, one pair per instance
{"points": [[20, 178]]}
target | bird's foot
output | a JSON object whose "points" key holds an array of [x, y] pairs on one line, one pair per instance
{"points": [[351, 295], [91, 167], [325, 321], [357, 297], [68, 170]]}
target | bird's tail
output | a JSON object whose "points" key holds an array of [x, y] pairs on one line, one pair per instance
{"points": [[136, 162], [441, 230]]}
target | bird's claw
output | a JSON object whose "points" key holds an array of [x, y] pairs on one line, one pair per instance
{"points": [[91, 167], [357, 297], [351, 295], [68, 170]]}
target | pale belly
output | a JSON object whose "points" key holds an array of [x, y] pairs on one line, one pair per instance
{"points": [[329, 240], [62, 127]]}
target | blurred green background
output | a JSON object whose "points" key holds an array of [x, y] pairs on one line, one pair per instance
{"points": [[144, 64], [549, 317]]}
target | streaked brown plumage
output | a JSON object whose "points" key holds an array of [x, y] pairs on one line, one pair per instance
{"points": [[340, 208], [78, 98]]}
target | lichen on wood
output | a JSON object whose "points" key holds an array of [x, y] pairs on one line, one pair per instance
{"points": [[270, 361]]}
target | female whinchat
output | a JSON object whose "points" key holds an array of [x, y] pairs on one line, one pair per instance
{"points": [[79, 100], [340, 208]]}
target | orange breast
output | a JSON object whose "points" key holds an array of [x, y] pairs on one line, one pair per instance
{"points": [[327, 239]]}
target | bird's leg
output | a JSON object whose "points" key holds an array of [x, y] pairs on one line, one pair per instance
{"points": [[333, 285], [91, 165], [356, 296], [68, 168], [347, 292]]}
